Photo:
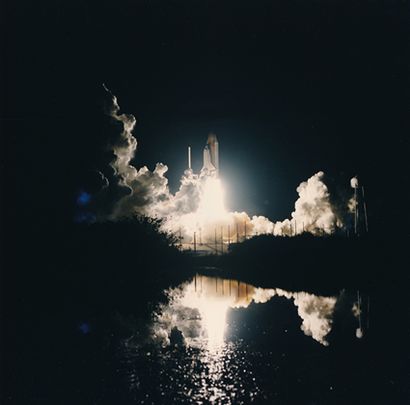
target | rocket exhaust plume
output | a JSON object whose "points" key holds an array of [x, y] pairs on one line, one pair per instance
{"points": [[198, 206]]}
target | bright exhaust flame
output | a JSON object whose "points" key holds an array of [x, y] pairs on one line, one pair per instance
{"points": [[211, 205]]}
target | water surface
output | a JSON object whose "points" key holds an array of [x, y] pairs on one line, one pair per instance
{"points": [[223, 341]]}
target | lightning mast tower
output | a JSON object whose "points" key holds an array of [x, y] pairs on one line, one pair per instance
{"points": [[189, 158], [359, 201]]}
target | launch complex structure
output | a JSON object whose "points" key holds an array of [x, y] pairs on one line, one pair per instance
{"points": [[223, 237]]}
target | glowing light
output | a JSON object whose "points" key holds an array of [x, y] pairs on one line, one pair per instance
{"points": [[85, 328], [211, 205], [213, 314], [212, 307], [83, 198], [210, 213]]}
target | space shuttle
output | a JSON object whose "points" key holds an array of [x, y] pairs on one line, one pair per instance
{"points": [[211, 155]]}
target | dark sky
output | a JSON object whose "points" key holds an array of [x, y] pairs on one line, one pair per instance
{"points": [[289, 87]]}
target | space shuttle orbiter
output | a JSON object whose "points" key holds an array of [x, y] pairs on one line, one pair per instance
{"points": [[211, 154]]}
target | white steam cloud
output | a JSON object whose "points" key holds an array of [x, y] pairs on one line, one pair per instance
{"points": [[313, 211], [198, 205]]}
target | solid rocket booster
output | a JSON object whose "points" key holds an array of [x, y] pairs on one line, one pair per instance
{"points": [[211, 154], [189, 158]]}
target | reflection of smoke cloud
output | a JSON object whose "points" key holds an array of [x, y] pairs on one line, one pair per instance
{"points": [[191, 304], [176, 315], [198, 204], [316, 313]]}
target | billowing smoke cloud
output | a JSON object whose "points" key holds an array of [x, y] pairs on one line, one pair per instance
{"points": [[144, 188], [313, 211], [192, 304], [197, 207]]}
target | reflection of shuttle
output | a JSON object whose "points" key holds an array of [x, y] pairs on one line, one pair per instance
{"points": [[211, 154]]}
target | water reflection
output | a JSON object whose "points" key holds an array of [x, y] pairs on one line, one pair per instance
{"points": [[192, 375], [357, 310], [201, 349], [199, 310]]}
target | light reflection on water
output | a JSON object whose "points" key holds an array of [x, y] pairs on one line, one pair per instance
{"points": [[221, 375], [199, 308], [191, 360]]}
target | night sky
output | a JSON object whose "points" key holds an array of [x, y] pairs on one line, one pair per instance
{"points": [[289, 87]]}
